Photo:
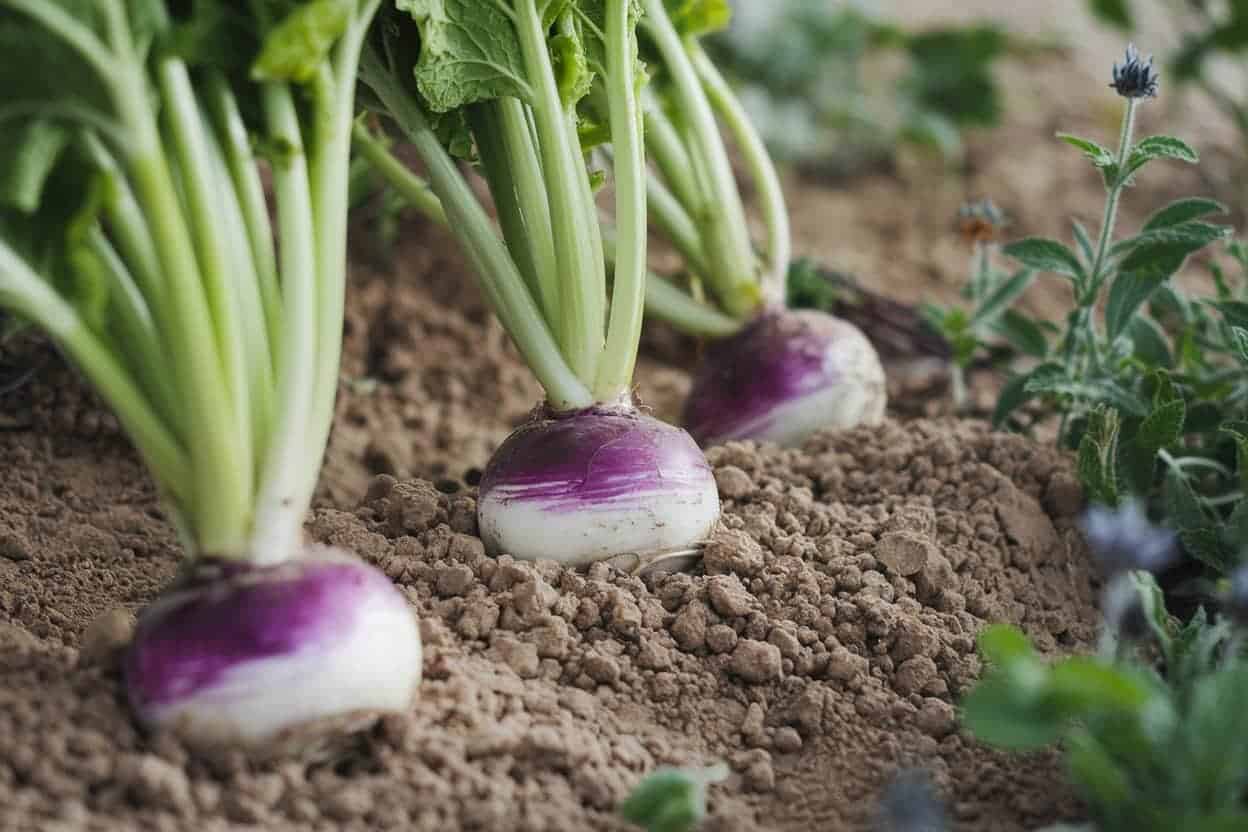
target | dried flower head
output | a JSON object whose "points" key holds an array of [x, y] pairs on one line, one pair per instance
{"points": [[980, 221], [1122, 539], [910, 804], [1135, 77]]}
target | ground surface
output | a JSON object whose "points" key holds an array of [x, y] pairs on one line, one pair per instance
{"points": [[822, 649]]}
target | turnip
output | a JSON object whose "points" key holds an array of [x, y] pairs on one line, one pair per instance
{"points": [[135, 231], [510, 83], [693, 198]]}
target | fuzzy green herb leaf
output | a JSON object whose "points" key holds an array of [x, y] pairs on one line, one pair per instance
{"points": [[1098, 454], [1046, 256], [1141, 272], [670, 799], [1159, 147], [1022, 333], [1191, 235], [1098, 154], [1184, 210]]}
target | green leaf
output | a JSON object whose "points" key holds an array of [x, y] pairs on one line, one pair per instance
{"points": [[1001, 644], [1183, 506], [1184, 210], [1139, 275], [1159, 147], [1099, 155], [1190, 236], [297, 46], [699, 17], [1002, 296], [1096, 770], [1149, 341], [1239, 342], [27, 157], [1024, 334], [1052, 379], [993, 713], [1097, 457], [469, 52], [1081, 684], [1234, 311], [671, 800], [1164, 426], [1013, 395], [1084, 241], [1046, 256], [1114, 12]]}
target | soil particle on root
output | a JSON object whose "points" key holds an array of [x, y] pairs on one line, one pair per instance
{"points": [[807, 654]]}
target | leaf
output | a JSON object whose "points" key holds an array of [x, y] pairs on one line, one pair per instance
{"points": [[1234, 311], [1184, 210], [1002, 296], [1114, 12], [469, 52], [1099, 155], [670, 799], [1024, 334], [27, 157], [1164, 426], [1001, 644], [1046, 256], [699, 17], [993, 714], [1239, 341], [1057, 383], [1081, 684], [1139, 275], [1097, 457], [1159, 147], [1149, 341], [298, 45], [1013, 395], [1182, 504], [1084, 241], [1191, 236]]}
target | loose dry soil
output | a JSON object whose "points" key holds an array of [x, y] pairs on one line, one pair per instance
{"points": [[822, 646]]}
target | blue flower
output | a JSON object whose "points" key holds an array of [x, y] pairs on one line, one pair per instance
{"points": [[1135, 77], [1122, 539]]}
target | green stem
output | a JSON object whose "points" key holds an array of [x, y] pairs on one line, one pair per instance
{"points": [[500, 279], [236, 145], [732, 269], [762, 169], [134, 326], [628, 292], [279, 515], [212, 249], [334, 92], [22, 290], [582, 281], [414, 190], [664, 147], [676, 224], [1111, 204], [514, 173], [218, 510]]}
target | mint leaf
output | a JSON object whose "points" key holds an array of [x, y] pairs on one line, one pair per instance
{"points": [[1002, 296], [1159, 147], [1184, 210], [1024, 334], [1148, 266], [1098, 456], [1045, 255], [1099, 155], [1190, 235]]}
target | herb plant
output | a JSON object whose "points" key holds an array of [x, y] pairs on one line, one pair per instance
{"points": [[524, 86], [1149, 382], [135, 231], [1155, 727]]}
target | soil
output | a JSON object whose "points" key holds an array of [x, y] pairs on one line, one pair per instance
{"points": [[819, 650]]}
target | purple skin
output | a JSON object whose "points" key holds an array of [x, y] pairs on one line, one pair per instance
{"points": [[231, 613], [594, 457], [777, 359]]}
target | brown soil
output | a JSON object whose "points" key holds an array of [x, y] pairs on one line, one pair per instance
{"points": [[821, 648]]}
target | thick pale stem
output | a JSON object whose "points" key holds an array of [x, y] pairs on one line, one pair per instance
{"points": [[279, 515], [492, 263], [212, 249], [664, 147], [732, 271], [628, 292], [581, 274], [762, 169], [414, 190]]}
